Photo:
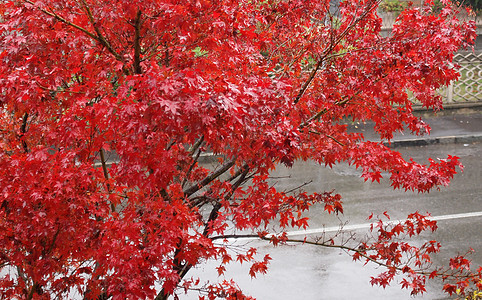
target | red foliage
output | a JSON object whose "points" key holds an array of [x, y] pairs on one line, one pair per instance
{"points": [[157, 84]]}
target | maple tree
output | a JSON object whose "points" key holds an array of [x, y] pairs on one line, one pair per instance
{"points": [[159, 84]]}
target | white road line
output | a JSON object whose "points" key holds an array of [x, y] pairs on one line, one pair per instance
{"points": [[367, 225]]}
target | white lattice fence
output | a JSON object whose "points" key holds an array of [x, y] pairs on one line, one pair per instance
{"points": [[469, 87]]}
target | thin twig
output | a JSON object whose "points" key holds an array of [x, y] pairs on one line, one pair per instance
{"points": [[106, 175]]}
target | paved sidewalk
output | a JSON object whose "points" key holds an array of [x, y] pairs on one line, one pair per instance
{"points": [[450, 126]]}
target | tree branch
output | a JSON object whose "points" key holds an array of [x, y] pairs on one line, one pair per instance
{"points": [[98, 36], [325, 110], [326, 53], [196, 187], [183, 269], [106, 175], [310, 78], [54, 15], [214, 212], [137, 44], [192, 150], [23, 130], [361, 251]]}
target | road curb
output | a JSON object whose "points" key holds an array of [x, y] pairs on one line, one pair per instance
{"points": [[456, 139]]}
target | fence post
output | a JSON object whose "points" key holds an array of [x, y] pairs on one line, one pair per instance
{"points": [[450, 92]]}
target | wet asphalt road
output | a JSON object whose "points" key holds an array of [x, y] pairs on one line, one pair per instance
{"points": [[315, 273]]}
